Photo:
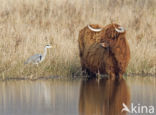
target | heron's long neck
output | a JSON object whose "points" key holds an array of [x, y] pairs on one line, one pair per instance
{"points": [[45, 53]]}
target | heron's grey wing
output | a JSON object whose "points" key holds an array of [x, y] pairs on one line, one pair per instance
{"points": [[34, 59]]}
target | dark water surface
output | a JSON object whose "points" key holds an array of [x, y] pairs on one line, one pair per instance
{"points": [[77, 97]]}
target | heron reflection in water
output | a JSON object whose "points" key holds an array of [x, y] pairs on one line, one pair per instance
{"points": [[105, 97]]}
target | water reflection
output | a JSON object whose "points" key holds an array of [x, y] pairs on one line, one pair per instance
{"points": [[103, 97], [75, 97], [43, 97]]}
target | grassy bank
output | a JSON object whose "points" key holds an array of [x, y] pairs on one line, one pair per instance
{"points": [[26, 26]]}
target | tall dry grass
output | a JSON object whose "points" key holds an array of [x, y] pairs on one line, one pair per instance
{"points": [[26, 26]]}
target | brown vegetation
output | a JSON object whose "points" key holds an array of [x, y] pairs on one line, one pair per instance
{"points": [[26, 26]]}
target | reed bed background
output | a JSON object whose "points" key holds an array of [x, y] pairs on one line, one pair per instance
{"points": [[26, 26]]}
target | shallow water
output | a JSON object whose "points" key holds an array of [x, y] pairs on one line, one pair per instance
{"points": [[76, 97]]}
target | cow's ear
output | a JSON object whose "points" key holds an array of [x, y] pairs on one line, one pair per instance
{"points": [[104, 44]]}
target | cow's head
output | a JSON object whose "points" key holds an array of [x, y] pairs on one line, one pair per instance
{"points": [[111, 35]]}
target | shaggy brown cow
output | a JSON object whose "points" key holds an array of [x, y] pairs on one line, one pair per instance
{"points": [[104, 50], [104, 97]]}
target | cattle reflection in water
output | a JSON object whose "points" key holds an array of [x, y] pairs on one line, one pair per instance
{"points": [[103, 97]]}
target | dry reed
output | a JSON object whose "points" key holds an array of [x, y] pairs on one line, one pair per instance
{"points": [[26, 26]]}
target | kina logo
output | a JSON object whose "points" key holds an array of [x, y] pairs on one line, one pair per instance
{"points": [[138, 109]]}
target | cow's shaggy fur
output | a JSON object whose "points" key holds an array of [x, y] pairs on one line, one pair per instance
{"points": [[111, 59]]}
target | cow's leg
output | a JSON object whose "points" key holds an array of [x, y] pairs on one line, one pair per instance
{"points": [[83, 68], [90, 74], [120, 76], [112, 76], [86, 71]]}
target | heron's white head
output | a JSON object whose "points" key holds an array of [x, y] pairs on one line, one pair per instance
{"points": [[48, 46]]}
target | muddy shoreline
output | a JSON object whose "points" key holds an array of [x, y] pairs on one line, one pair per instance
{"points": [[71, 77]]}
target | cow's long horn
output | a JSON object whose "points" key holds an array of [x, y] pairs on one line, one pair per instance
{"points": [[120, 29], [95, 30]]}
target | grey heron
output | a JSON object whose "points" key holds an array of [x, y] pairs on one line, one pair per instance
{"points": [[38, 58]]}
